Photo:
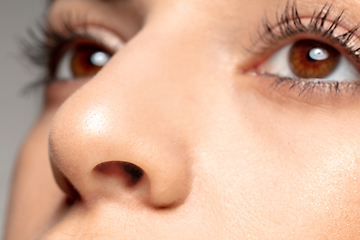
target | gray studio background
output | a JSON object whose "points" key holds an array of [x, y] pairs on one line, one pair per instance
{"points": [[17, 112]]}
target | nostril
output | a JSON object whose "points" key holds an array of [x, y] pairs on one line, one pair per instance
{"points": [[134, 172], [130, 173]]}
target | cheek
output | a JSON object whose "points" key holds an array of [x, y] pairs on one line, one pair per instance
{"points": [[34, 194], [280, 166], [303, 165]]}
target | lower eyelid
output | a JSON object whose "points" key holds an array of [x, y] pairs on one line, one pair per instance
{"points": [[57, 92], [316, 92], [302, 91]]}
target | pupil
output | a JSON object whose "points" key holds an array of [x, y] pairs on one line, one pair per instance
{"points": [[317, 54], [99, 59]]}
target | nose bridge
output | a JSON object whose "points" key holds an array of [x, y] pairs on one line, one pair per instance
{"points": [[135, 111]]}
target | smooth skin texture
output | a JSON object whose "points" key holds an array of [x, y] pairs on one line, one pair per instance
{"points": [[224, 156]]}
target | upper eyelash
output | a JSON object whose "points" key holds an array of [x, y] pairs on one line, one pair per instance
{"points": [[289, 24], [41, 49]]}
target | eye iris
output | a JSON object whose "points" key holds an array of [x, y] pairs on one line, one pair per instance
{"points": [[88, 60], [313, 59]]}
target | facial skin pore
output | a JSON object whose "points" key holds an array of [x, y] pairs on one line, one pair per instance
{"points": [[223, 155]]}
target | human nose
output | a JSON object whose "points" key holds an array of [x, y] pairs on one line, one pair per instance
{"points": [[124, 135]]}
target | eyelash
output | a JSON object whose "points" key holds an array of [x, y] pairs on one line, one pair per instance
{"points": [[42, 50], [289, 25]]}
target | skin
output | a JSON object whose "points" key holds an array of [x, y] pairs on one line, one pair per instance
{"points": [[223, 155]]}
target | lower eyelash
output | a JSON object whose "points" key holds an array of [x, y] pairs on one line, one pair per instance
{"points": [[40, 49], [306, 87], [290, 24]]}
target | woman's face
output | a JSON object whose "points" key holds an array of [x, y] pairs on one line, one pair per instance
{"points": [[208, 122]]}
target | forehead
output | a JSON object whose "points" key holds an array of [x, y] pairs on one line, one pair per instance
{"points": [[210, 11], [241, 6]]}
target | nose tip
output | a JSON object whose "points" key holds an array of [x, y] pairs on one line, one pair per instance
{"points": [[131, 113], [117, 162]]}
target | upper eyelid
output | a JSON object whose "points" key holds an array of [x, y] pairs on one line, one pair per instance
{"points": [[291, 24], [71, 30], [69, 24], [81, 27], [268, 49], [102, 35], [295, 25]]}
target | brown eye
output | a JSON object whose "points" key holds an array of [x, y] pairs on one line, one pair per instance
{"points": [[309, 59], [88, 60], [313, 59], [83, 60]]}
